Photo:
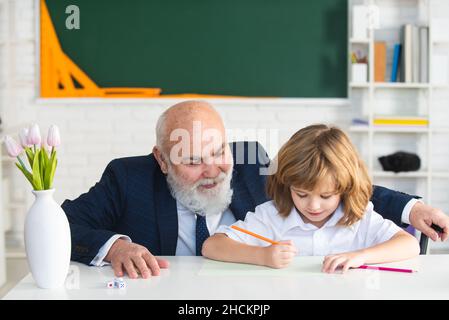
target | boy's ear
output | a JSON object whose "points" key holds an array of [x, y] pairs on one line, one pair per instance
{"points": [[159, 156]]}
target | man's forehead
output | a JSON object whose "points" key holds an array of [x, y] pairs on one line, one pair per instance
{"points": [[200, 127], [192, 119], [198, 134]]}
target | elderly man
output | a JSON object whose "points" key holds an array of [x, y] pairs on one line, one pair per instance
{"points": [[169, 202]]}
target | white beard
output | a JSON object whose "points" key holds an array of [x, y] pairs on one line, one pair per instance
{"points": [[206, 202]]}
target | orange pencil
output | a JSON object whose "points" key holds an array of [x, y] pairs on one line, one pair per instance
{"points": [[254, 235]]}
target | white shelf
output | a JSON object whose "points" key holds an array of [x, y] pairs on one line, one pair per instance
{"points": [[400, 85], [411, 174], [410, 129], [397, 85], [440, 42], [440, 130], [365, 129], [360, 128], [359, 85], [440, 86], [440, 174], [365, 41], [389, 129]]}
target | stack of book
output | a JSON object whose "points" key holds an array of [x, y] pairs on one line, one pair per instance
{"points": [[401, 121], [411, 56]]}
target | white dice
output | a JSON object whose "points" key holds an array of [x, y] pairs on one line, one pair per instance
{"points": [[118, 283]]}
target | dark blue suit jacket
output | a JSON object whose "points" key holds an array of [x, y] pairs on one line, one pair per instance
{"points": [[132, 198]]}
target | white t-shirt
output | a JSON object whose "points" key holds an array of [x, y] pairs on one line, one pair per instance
{"points": [[310, 240]]}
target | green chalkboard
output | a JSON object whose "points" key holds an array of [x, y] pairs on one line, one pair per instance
{"points": [[263, 48]]}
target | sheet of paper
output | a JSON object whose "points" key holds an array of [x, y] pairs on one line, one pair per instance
{"points": [[297, 267]]}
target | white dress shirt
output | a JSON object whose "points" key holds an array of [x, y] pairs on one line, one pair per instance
{"points": [[186, 231], [186, 244], [310, 240]]}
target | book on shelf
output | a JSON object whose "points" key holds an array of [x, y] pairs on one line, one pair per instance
{"points": [[401, 121], [406, 71], [396, 62], [415, 54], [358, 122], [424, 54], [380, 61]]}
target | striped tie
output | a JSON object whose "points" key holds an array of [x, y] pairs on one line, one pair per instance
{"points": [[202, 233]]}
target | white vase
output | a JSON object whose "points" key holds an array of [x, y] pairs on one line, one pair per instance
{"points": [[47, 241]]}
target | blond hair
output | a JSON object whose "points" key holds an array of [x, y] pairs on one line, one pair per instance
{"points": [[313, 153]]}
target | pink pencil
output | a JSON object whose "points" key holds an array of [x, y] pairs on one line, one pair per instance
{"points": [[386, 269]]}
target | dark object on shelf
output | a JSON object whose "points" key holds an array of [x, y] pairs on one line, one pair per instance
{"points": [[400, 161]]}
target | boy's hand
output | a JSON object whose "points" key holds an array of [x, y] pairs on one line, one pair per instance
{"points": [[279, 255], [344, 260]]}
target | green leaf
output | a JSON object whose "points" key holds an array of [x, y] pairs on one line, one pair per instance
{"points": [[53, 165], [47, 182], [42, 165], [50, 171], [27, 174], [30, 155], [36, 173], [45, 156], [46, 168]]}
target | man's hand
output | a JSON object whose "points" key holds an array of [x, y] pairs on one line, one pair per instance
{"points": [[422, 216], [135, 259]]}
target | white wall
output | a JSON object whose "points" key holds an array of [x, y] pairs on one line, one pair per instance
{"points": [[95, 133]]}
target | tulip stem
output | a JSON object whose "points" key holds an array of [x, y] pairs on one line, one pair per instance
{"points": [[22, 164]]}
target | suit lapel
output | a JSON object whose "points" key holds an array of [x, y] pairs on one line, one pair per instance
{"points": [[167, 215], [242, 202]]}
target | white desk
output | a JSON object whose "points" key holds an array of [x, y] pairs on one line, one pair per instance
{"points": [[188, 278]]}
